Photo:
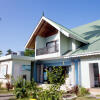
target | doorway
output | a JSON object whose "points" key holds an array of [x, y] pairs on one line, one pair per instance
{"points": [[94, 75]]}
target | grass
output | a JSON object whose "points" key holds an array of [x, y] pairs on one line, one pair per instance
{"points": [[5, 91]]}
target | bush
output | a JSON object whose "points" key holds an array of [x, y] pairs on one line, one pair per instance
{"points": [[83, 91], [23, 88], [53, 93], [56, 76]]}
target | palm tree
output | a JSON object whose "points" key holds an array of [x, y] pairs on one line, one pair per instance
{"points": [[0, 52], [9, 51]]}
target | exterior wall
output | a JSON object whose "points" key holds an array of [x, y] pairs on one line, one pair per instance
{"points": [[14, 68], [17, 69], [86, 70], [52, 38], [48, 39], [65, 44], [9, 69], [40, 42]]}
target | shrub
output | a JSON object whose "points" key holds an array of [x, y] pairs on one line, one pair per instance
{"points": [[83, 91], [56, 76], [23, 88], [53, 93]]}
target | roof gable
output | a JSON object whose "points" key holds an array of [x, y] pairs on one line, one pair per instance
{"points": [[65, 31]]}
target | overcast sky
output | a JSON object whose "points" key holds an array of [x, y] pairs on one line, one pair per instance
{"points": [[18, 18]]}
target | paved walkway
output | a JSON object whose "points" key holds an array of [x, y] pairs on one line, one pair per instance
{"points": [[6, 96]]}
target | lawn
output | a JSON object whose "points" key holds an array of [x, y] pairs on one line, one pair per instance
{"points": [[4, 91]]}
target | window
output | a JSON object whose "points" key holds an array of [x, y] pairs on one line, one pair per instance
{"points": [[3, 71], [52, 46]]}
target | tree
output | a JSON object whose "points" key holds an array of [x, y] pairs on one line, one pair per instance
{"points": [[29, 52], [9, 51], [0, 52]]}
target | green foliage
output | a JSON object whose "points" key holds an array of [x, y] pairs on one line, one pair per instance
{"points": [[0, 52], [0, 85], [55, 76], [23, 88], [53, 93], [82, 91], [26, 89], [29, 52], [9, 51]]}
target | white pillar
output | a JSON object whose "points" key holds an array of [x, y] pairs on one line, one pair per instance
{"points": [[73, 74], [73, 45]]}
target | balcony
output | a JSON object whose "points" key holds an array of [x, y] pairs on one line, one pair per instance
{"points": [[47, 50]]}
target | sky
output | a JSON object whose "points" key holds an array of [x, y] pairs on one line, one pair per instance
{"points": [[18, 18]]}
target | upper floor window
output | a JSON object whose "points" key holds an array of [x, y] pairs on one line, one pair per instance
{"points": [[52, 46]]}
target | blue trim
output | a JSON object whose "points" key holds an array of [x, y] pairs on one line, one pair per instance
{"points": [[35, 72], [60, 62], [76, 72]]}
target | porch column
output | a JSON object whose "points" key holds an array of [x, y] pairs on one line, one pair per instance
{"points": [[41, 74], [73, 74], [38, 72], [76, 73], [35, 72]]}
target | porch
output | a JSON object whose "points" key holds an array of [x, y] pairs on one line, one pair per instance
{"points": [[70, 67]]}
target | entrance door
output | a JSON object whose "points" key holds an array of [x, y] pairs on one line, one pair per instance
{"points": [[96, 75]]}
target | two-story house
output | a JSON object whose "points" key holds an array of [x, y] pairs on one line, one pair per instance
{"points": [[53, 44]]}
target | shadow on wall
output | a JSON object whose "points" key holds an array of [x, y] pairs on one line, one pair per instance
{"points": [[94, 33]]}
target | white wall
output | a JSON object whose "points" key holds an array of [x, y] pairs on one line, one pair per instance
{"points": [[65, 43], [14, 69], [17, 71], [9, 69], [86, 71], [40, 42]]}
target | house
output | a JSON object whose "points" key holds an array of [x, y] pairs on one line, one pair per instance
{"points": [[15, 66], [76, 50], [53, 44]]}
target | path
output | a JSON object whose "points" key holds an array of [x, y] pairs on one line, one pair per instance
{"points": [[6, 96]]}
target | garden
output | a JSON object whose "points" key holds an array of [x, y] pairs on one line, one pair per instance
{"points": [[29, 90]]}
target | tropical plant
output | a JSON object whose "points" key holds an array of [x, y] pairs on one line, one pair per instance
{"points": [[0, 52], [83, 91], [53, 93], [29, 52], [23, 88], [56, 76]]}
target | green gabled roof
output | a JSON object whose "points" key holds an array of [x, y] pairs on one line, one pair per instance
{"points": [[77, 36], [90, 32], [89, 48]]}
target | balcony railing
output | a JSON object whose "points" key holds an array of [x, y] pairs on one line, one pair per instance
{"points": [[47, 50]]}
